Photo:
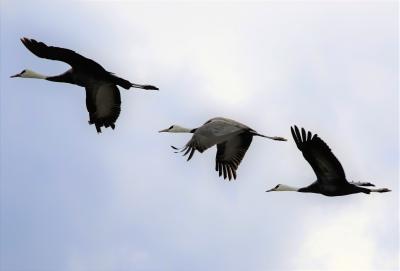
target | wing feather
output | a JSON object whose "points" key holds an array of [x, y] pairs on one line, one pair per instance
{"points": [[61, 54], [324, 163], [230, 153], [211, 133]]}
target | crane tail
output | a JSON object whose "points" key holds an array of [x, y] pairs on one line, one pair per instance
{"points": [[127, 85], [362, 183], [277, 138]]}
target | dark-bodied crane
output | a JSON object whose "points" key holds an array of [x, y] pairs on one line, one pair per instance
{"points": [[331, 180], [103, 100]]}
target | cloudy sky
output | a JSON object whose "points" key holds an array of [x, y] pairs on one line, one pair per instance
{"points": [[74, 200]]}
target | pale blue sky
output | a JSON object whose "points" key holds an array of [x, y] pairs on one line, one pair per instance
{"points": [[73, 200]]}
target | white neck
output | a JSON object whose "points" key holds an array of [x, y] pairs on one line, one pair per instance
{"points": [[284, 187], [32, 74], [179, 129]]}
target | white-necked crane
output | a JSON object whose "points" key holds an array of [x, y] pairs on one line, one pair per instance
{"points": [[331, 180], [103, 100], [231, 137]]}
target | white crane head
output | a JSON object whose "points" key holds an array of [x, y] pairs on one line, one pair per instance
{"points": [[176, 129], [282, 187], [29, 74]]}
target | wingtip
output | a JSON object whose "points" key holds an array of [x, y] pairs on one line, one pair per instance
{"points": [[303, 133], [25, 39]]}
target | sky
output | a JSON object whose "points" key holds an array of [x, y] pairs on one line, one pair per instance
{"points": [[75, 200]]}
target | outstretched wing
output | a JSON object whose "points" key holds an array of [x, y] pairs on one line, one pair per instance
{"points": [[324, 163], [212, 132], [104, 105], [61, 54], [77, 61], [197, 143], [230, 153]]}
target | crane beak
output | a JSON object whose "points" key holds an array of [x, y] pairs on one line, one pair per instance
{"points": [[270, 190], [15, 75], [165, 130]]}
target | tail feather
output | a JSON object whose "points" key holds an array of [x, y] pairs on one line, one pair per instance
{"points": [[150, 87], [362, 183], [364, 190], [127, 85], [278, 138], [369, 190], [380, 190], [122, 82]]}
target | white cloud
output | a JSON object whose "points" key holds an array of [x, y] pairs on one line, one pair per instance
{"points": [[343, 241]]}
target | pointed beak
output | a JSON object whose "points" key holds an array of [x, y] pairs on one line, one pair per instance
{"points": [[165, 130], [270, 190], [15, 75]]}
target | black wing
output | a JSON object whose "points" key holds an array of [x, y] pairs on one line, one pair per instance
{"points": [[104, 105], [230, 153], [61, 54], [78, 62], [324, 163]]}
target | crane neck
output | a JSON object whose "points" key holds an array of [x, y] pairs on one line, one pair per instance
{"points": [[32, 74], [284, 187], [288, 188], [180, 129], [65, 77]]}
